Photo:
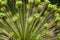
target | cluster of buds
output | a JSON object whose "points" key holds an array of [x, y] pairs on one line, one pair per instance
{"points": [[41, 16], [57, 15]]}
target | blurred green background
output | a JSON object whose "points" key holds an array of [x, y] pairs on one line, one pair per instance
{"points": [[57, 2]]}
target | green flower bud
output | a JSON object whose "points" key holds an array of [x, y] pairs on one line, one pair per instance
{"points": [[30, 1], [9, 21], [57, 15], [41, 18], [58, 36], [0, 1], [39, 37], [46, 25], [11, 34], [57, 18], [30, 19], [47, 33], [19, 3], [28, 7], [4, 3], [37, 1], [36, 15], [58, 10], [2, 15], [46, 1], [46, 12], [52, 7], [14, 18], [49, 6], [58, 24], [40, 6], [2, 9], [1, 20], [0, 30]]}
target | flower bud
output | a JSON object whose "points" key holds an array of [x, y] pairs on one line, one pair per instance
{"points": [[2, 15], [58, 10], [57, 16], [46, 25], [4, 3], [46, 12], [36, 15], [49, 33], [30, 19], [58, 24], [52, 7], [28, 7], [3, 9], [7, 20], [58, 36], [14, 18], [0, 1], [30, 1], [11, 34], [19, 3], [0, 30], [40, 6], [37, 1], [39, 37], [1, 20], [46, 1]]}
